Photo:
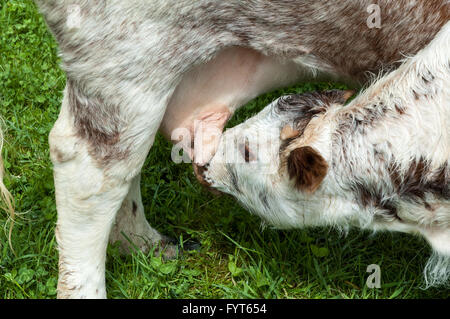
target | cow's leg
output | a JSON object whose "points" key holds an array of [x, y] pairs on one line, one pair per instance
{"points": [[132, 229], [97, 155]]}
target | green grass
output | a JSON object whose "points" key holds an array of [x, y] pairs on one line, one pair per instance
{"points": [[238, 258]]}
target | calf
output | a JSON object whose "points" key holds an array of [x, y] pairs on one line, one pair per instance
{"points": [[382, 162]]}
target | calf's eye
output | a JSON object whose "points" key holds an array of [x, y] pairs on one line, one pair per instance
{"points": [[244, 149]]}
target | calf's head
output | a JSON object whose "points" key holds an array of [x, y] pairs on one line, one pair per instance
{"points": [[277, 162]]}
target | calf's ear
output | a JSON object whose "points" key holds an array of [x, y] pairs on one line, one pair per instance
{"points": [[307, 168]]}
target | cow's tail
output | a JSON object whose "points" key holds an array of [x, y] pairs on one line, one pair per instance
{"points": [[7, 199]]}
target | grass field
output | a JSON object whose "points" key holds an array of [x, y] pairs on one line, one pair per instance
{"points": [[238, 258]]}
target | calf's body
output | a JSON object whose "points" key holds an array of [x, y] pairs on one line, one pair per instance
{"points": [[380, 163]]}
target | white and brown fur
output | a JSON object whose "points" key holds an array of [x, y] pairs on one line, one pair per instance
{"points": [[137, 66], [382, 162]]}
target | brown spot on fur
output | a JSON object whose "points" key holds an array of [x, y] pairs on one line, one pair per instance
{"points": [[199, 174], [303, 107], [134, 209], [346, 95], [440, 182], [400, 110], [312, 103], [360, 117], [285, 144], [288, 132], [369, 196], [429, 207], [307, 167], [419, 179], [97, 123], [58, 156]]}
